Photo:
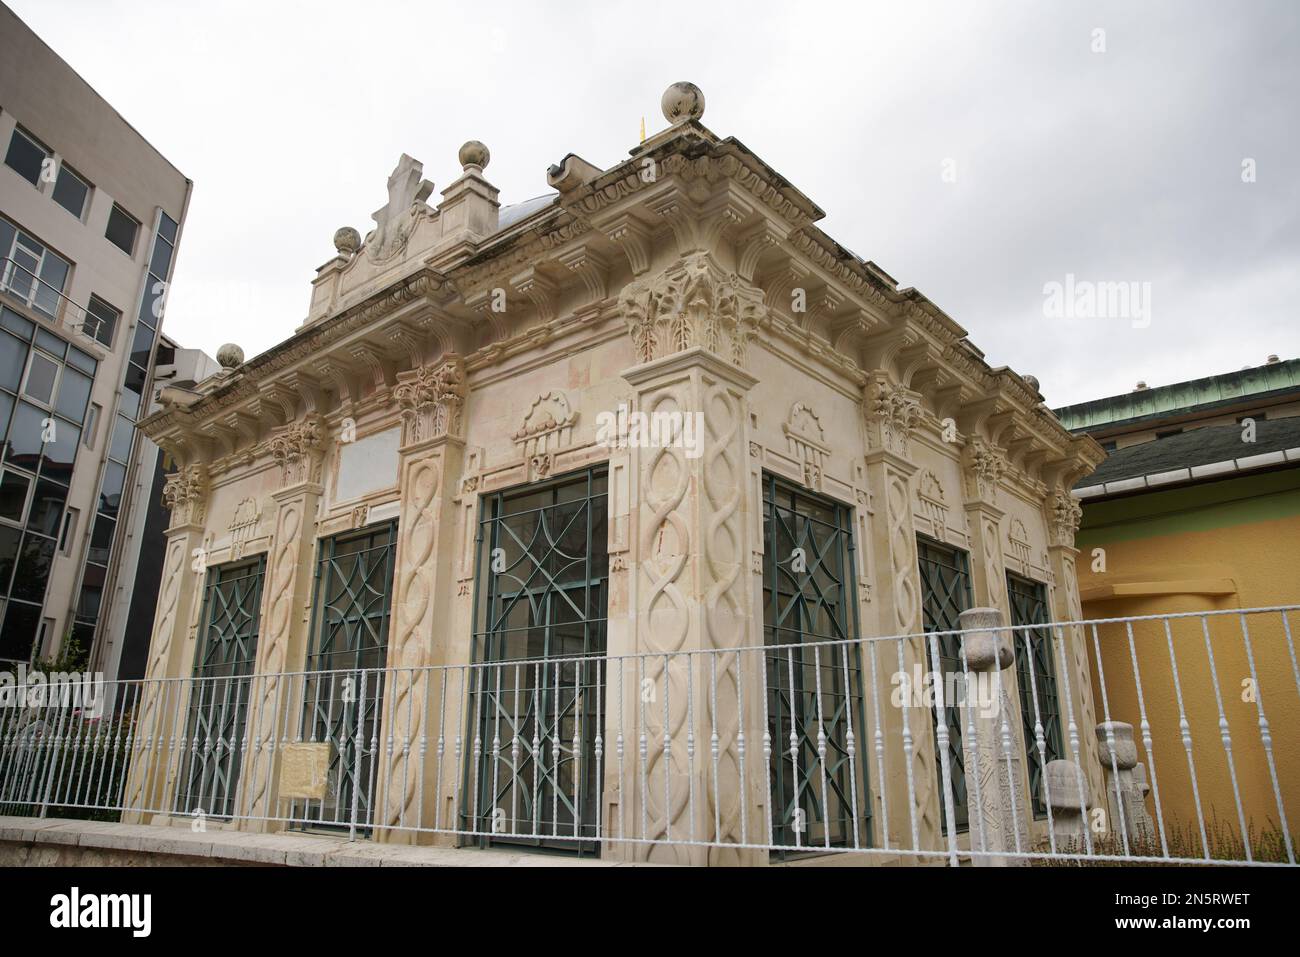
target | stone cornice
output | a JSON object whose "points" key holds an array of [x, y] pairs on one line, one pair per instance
{"points": [[301, 347], [699, 179], [695, 154]]}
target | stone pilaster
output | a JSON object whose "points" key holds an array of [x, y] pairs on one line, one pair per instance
{"points": [[286, 619], [982, 468], [691, 591], [690, 584], [890, 414], [1079, 713], [160, 715], [432, 400]]}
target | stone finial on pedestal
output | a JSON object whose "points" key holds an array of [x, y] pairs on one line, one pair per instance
{"points": [[1125, 795], [983, 641], [1067, 794], [1000, 809]]}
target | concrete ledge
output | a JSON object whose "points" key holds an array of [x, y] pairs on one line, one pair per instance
{"points": [[36, 841], [1186, 586]]}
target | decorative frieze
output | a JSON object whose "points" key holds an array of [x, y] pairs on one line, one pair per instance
{"points": [[1018, 544], [932, 504], [243, 526], [807, 442], [547, 428]]}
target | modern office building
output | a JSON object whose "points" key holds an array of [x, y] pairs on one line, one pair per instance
{"points": [[122, 640], [90, 215]]}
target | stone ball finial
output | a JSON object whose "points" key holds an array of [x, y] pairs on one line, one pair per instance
{"points": [[474, 156], [1032, 382], [683, 101], [347, 240], [229, 356]]}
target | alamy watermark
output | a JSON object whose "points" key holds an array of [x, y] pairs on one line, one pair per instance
{"points": [[133, 912], [36, 689], [1084, 299], [916, 689], [624, 429]]}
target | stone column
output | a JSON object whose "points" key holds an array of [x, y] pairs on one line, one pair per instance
{"points": [[431, 398], [1000, 811], [1074, 680], [690, 582], [286, 616], [160, 710], [910, 793]]}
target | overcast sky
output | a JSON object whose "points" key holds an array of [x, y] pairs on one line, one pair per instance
{"points": [[978, 151]]}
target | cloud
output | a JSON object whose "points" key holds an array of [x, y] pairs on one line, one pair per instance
{"points": [[1115, 166]]}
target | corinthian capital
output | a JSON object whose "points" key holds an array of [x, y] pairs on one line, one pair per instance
{"points": [[983, 465], [692, 304], [185, 494], [892, 412], [297, 450], [431, 399], [1064, 516]]}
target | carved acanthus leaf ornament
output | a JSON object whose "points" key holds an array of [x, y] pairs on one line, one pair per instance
{"points": [[184, 494], [691, 304], [431, 399]]}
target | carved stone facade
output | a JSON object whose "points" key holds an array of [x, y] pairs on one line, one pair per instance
{"points": [[483, 352]]}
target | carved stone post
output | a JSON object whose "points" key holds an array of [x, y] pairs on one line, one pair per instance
{"points": [[160, 710], [689, 577], [1125, 783], [1069, 642], [1067, 791], [999, 807], [431, 399], [286, 618], [890, 415]]}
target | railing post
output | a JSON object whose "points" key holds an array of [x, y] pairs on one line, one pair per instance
{"points": [[998, 756], [1067, 793], [1125, 778]]}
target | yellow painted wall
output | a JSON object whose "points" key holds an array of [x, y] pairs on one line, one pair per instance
{"points": [[1203, 549]]}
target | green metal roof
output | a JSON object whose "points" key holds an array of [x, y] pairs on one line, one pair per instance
{"points": [[1182, 396]]}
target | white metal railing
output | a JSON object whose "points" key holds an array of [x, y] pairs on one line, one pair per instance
{"points": [[20, 283], [1150, 742]]}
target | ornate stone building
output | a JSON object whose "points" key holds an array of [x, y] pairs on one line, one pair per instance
{"points": [[760, 438]]}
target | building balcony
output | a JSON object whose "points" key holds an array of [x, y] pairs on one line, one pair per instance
{"points": [[43, 300]]}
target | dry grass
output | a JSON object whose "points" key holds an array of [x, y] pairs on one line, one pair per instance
{"points": [[1183, 840]]}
